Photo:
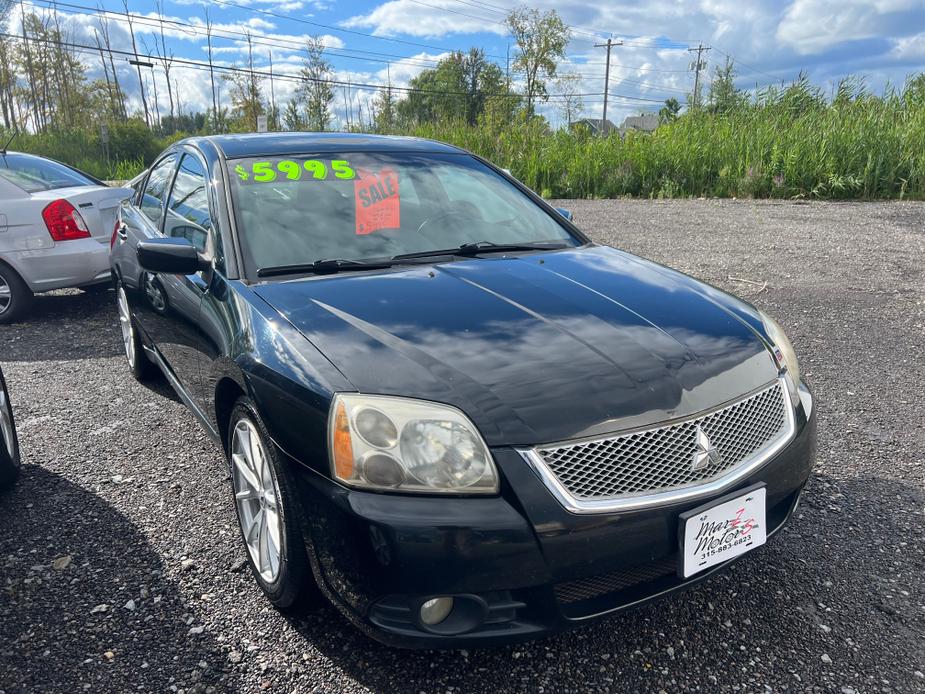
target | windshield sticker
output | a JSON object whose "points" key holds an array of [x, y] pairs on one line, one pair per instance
{"points": [[293, 170], [378, 202]]}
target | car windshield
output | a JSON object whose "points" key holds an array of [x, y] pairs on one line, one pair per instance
{"points": [[359, 206], [34, 174]]}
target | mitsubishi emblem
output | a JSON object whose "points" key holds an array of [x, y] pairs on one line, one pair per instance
{"points": [[705, 453]]}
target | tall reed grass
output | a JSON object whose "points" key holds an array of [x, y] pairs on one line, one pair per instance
{"points": [[865, 149], [783, 145]]}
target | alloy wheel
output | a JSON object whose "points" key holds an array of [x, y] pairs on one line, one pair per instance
{"points": [[6, 426], [6, 295], [128, 330], [257, 499]]}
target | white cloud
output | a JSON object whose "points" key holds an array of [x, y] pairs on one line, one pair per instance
{"points": [[814, 26], [407, 17], [277, 5], [910, 47]]}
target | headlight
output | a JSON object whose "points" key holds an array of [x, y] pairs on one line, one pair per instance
{"points": [[783, 353], [398, 444]]}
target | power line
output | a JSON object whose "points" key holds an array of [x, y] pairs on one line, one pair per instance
{"points": [[484, 6], [329, 27], [271, 42], [651, 86], [194, 64], [749, 67], [232, 35], [464, 14]]}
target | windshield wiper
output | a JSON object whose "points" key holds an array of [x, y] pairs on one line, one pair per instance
{"points": [[323, 267], [470, 249]]}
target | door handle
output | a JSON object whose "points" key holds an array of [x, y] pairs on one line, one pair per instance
{"points": [[122, 231]]}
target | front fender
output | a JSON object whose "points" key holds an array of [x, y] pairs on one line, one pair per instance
{"points": [[289, 380]]}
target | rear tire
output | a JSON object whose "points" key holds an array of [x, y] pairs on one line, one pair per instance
{"points": [[15, 295], [264, 492], [10, 461], [138, 363]]}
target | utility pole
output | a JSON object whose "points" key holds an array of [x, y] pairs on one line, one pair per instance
{"points": [[273, 114], [697, 67], [610, 44]]}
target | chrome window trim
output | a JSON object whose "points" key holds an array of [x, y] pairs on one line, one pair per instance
{"points": [[671, 496]]}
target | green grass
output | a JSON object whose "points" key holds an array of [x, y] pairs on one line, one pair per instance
{"points": [[868, 149], [788, 146]]}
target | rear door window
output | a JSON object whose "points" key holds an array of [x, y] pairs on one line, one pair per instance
{"points": [[188, 206], [152, 200]]}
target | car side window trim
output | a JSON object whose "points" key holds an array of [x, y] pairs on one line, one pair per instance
{"points": [[159, 227], [201, 178], [215, 246]]}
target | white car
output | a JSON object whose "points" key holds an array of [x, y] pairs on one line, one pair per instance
{"points": [[56, 226]]}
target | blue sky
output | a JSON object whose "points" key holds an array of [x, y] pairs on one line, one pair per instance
{"points": [[882, 40]]}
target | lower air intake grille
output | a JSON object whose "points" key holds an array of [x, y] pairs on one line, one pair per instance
{"points": [[586, 588]]}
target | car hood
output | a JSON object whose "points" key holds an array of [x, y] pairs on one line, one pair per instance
{"points": [[536, 348]]}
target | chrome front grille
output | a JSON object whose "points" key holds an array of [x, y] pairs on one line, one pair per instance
{"points": [[654, 464]]}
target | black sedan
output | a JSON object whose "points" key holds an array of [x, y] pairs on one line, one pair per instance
{"points": [[10, 461], [444, 408]]}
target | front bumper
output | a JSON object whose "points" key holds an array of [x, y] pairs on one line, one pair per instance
{"points": [[519, 564], [75, 263]]}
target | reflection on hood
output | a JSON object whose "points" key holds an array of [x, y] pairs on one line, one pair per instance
{"points": [[536, 348]]}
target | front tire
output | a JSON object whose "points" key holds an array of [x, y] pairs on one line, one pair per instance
{"points": [[10, 461], [269, 514], [15, 295], [138, 363]]}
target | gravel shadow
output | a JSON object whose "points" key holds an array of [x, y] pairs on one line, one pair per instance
{"points": [[64, 325], [83, 600]]}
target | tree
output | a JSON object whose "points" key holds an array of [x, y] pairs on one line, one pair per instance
{"points": [[7, 76], [117, 88], [462, 87], [384, 109], [670, 111], [316, 92], [571, 104], [541, 41], [165, 57], [292, 119], [724, 96], [436, 95], [216, 125], [141, 84], [246, 92]]}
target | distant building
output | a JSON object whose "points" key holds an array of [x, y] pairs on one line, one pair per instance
{"points": [[646, 123], [596, 126]]}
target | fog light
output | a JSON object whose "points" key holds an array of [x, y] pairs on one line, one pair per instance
{"points": [[436, 610]]}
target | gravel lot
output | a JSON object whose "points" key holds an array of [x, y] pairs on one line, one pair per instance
{"points": [[120, 482]]}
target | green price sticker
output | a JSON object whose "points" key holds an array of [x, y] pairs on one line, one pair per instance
{"points": [[293, 170]]}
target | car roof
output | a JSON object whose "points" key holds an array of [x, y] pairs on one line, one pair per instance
{"points": [[278, 144], [29, 155]]}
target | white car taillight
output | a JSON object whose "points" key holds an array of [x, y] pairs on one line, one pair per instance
{"points": [[64, 222]]}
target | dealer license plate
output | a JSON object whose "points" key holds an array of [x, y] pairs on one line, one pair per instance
{"points": [[723, 529]]}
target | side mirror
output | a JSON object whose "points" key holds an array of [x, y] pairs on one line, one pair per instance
{"points": [[171, 256], [565, 213]]}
